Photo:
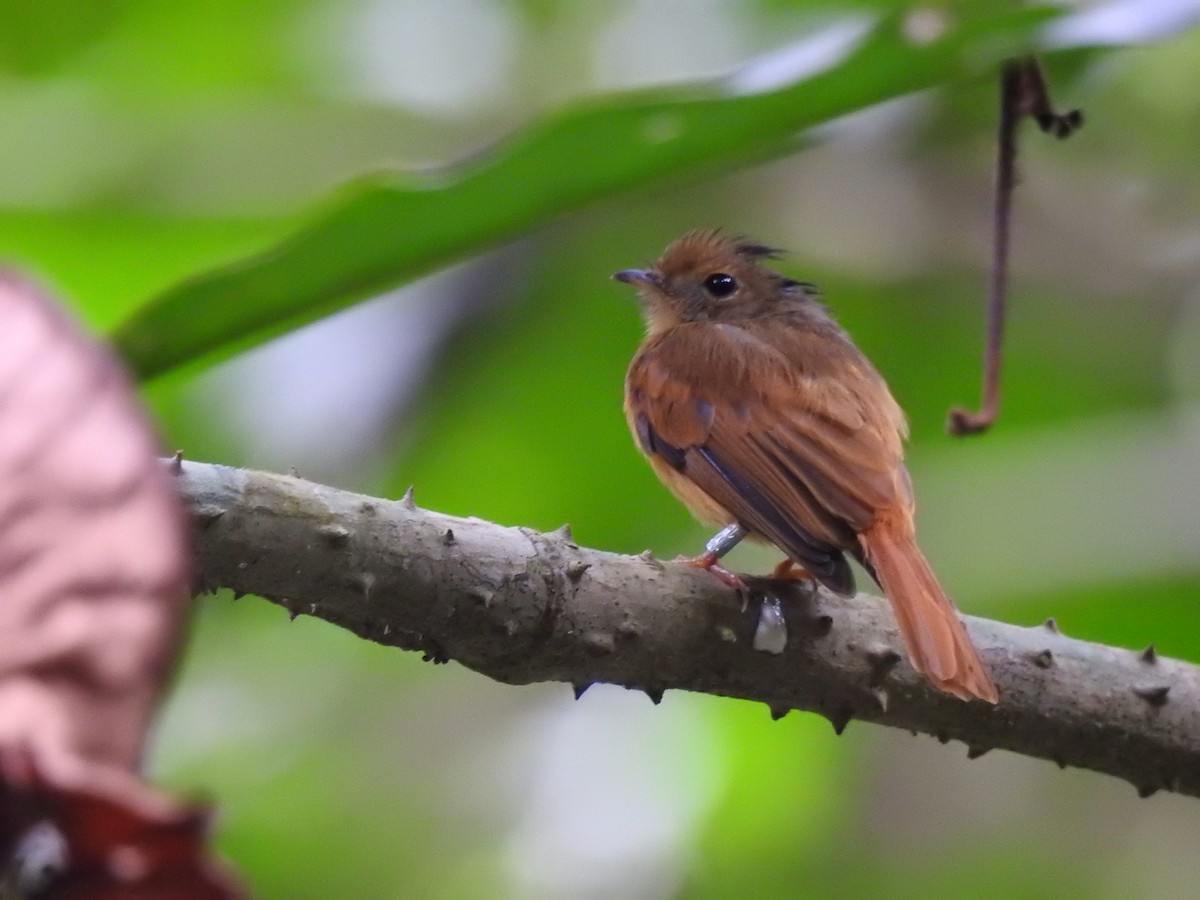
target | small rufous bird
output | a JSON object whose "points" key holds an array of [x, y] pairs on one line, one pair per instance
{"points": [[757, 410]]}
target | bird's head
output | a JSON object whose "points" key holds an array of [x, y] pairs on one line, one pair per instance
{"points": [[712, 276]]}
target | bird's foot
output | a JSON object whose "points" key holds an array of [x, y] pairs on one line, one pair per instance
{"points": [[789, 571], [712, 563]]}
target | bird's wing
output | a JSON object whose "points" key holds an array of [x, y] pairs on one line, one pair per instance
{"points": [[805, 460]]}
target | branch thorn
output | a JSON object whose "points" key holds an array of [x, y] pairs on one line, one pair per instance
{"points": [[882, 660], [563, 533], [1155, 696], [598, 643], [839, 717], [647, 556], [334, 535], [1043, 659]]}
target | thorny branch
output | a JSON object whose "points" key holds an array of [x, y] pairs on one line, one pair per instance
{"points": [[523, 606], [1023, 92]]}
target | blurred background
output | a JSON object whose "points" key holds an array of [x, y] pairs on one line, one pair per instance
{"points": [[146, 139]]}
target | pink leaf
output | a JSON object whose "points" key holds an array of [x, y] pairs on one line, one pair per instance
{"points": [[94, 575]]}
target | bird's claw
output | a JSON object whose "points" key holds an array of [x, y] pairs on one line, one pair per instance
{"points": [[712, 563], [789, 571]]}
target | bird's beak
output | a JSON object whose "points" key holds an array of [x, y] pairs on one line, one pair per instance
{"points": [[635, 276]]}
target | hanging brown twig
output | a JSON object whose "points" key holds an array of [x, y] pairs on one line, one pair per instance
{"points": [[1023, 92]]}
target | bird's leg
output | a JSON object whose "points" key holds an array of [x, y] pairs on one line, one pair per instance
{"points": [[789, 571], [720, 544]]}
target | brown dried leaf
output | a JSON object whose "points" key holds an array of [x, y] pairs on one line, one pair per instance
{"points": [[78, 844]]}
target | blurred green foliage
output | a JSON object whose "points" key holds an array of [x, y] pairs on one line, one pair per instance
{"points": [[392, 227], [158, 150]]}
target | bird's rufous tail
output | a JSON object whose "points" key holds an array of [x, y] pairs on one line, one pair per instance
{"points": [[938, 644]]}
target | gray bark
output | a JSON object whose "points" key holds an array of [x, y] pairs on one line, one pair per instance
{"points": [[523, 606]]}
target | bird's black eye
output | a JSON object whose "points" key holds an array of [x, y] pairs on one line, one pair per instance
{"points": [[720, 285]]}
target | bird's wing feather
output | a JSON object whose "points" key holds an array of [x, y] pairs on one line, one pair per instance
{"points": [[793, 456]]}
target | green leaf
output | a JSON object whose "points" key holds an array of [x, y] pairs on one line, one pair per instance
{"points": [[393, 227]]}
